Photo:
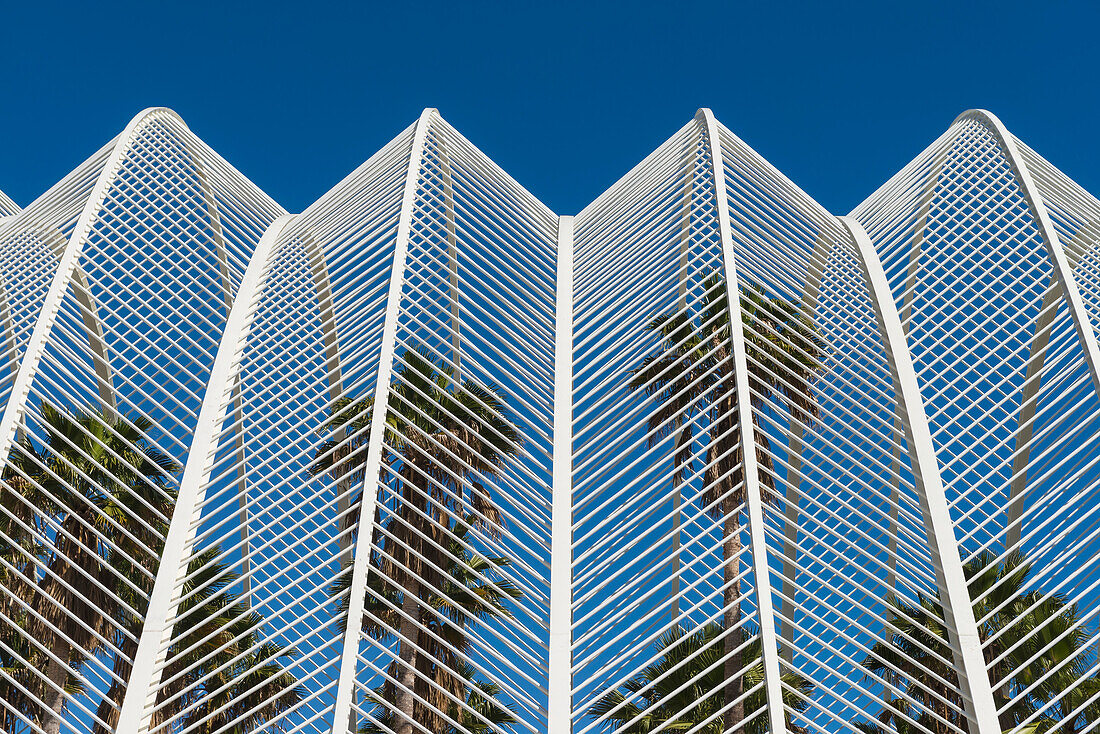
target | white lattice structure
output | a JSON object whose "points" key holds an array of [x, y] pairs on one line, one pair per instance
{"points": [[537, 460]]}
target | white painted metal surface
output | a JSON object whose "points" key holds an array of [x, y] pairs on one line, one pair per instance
{"points": [[560, 671], [149, 660], [364, 533]]}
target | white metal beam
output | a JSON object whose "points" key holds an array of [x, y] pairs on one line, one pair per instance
{"points": [[769, 640], [942, 544], [560, 684], [689, 154], [452, 258], [361, 559]]}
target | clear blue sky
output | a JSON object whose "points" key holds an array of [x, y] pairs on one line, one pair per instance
{"points": [[565, 96]]}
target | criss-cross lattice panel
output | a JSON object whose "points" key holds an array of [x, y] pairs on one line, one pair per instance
{"points": [[455, 630], [662, 571], [273, 536], [432, 272], [982, 268], [846, 536], [31, 244], [127, 269], [316, 473]]}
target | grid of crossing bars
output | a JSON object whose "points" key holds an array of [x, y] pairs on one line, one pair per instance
{"points": [[788, 431]]}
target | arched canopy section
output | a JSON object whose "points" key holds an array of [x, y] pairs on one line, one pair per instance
{"points": [[122, 344], [658, 470], [327, 274], [147, 673], [703, 411], [747, 424], [986, 271], [473, 310], [1062, 269]]}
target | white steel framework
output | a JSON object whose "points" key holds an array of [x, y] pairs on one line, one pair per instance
{"points": [[429, 458]]}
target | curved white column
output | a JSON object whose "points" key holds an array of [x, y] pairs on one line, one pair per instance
{"points": [[222, 256], [345, 683], [322, 285], [63, 277], [560, 676], [942, 544], [452, 257], [777, 720], [220, 389], [688, 161]]}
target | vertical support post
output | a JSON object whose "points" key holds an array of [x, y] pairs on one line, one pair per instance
{"points": [[958, 609], [141, 693], [345, 684], [560, 684], [769, 641]]}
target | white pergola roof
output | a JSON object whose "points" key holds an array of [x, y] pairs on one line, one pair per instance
{"points": [[955, 386]]}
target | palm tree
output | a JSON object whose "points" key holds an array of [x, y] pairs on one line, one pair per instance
{"points": [[1028, 636], [691, 379], [20, 550], [473, 590], [443, 441], [481, 714], [218, 669], [95, 476], [678, 692]]}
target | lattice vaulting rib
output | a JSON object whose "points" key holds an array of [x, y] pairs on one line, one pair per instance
{"points": [[428, 457]]}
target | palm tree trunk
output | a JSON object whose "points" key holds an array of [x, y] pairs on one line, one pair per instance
{"points": [[109, 707], [406, 655], [57, 672], [731, 600]]}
